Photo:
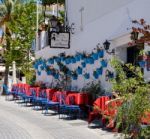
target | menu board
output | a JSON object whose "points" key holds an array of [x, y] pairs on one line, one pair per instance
{"points": [[60, 40]]}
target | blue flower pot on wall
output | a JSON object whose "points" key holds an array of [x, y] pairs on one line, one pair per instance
{"points": [[42, 67], [39, 73], [142, 64], [86, 75], [95, 74], [58, 59], [77, 57], [36, 66], [56, 76], [51, 61], [49, 72], [99, 71], [95, 56], [91, 60], [83, 64], [101, 53], [62, 58], [79, 70], [74, 77], [69, 73], [73, 60], [68, 61], [104, 63]]}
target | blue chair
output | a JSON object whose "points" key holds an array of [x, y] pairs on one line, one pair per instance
{"points": [[48, 104], [71, 110], [7, 92]]}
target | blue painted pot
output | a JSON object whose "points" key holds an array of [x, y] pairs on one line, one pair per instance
{"points": [[49, 72], [73, 60], [95, 74], [83, 64], [91, 60], [74, 77], [56, 76], [99, 71], [39, 73], [68, 61], [95, 56], [77, 57], [104, 63], [58, 59], [79, 70], [51, 61], [100, 53], [86, 75], [42, 67]]}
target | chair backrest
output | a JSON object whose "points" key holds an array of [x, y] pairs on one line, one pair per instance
{"points": [[50, 93], [71, 99], [101, 102], [43, 93], [33, 92], [5, 87], [59, 96]]}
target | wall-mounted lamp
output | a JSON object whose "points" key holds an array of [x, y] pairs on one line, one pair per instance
{"points": [[56, 26], [107, 46]]}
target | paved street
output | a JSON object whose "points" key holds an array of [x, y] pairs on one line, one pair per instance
{"points": [[19, 122]]}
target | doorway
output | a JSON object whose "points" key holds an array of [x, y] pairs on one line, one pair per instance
{"points": [[133, 53]]}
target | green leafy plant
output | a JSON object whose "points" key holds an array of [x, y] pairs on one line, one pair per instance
{"points": [[135, 94], [94, 88]]}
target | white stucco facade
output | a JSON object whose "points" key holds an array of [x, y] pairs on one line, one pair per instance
{"points": [[94, 22]]}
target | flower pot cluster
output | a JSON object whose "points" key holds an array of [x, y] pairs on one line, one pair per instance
{"points": [[83, 59]]}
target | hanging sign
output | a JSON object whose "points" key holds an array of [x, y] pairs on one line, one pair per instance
{"points": [[60, 40]]}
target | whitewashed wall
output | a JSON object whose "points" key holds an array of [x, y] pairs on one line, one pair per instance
{"points": [[102, 19]]}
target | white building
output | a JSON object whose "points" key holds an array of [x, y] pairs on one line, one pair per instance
{"points": [[94, 21]]}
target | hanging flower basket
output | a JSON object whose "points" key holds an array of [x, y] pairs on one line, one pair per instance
{"points": [[86, 75], [104, 63]]}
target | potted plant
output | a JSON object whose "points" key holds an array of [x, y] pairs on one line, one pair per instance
{"points": [[103, 63], [83, 64], [95, 74], [79, 70], [86, 75]]}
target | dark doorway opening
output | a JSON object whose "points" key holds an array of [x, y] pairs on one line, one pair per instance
{"points": [[133, 53], [133, 58]]}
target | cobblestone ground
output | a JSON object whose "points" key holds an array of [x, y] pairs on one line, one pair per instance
{"points": [[19, 122]]}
